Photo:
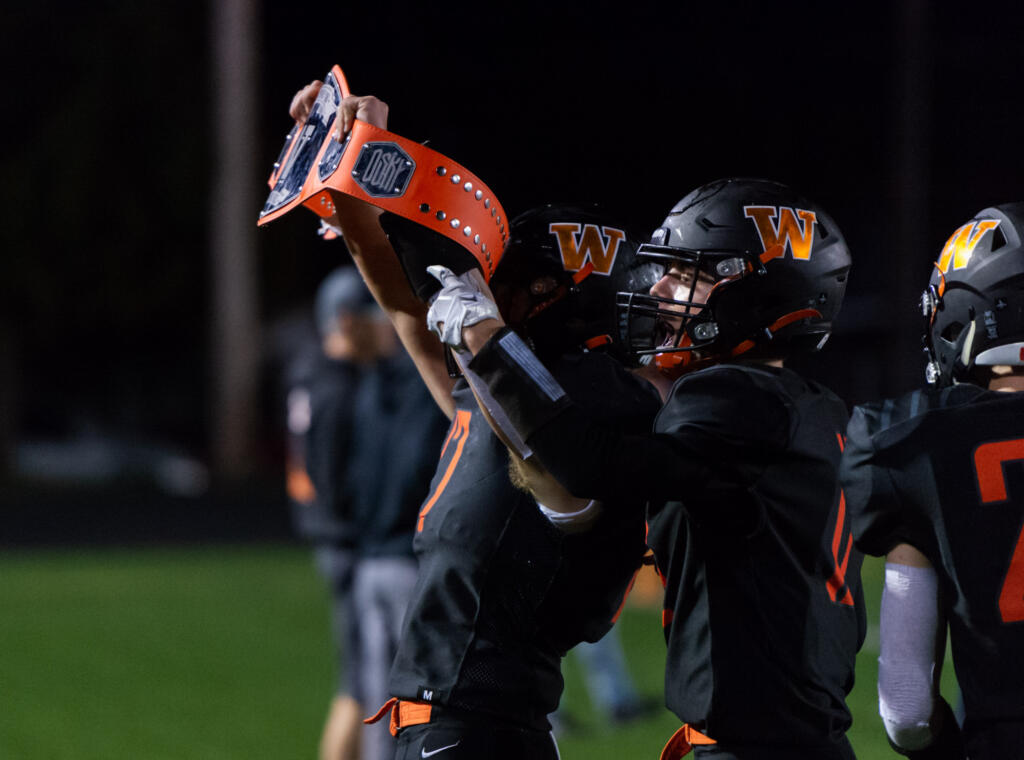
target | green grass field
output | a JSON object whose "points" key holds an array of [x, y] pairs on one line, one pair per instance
{"points": [[223, 652]]}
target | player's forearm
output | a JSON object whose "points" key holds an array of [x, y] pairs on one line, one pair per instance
{"points": [[596, 462], [910, 640], [476, 336], [374, 257], [428, 356], [544, 487], [383, 274]]}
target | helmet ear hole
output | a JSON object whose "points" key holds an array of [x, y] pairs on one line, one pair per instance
{"points": [[998, 239], [541, 286], [952, 331], [559, 275]]}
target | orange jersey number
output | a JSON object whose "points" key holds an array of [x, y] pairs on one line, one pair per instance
{"points": [[988, 466]]}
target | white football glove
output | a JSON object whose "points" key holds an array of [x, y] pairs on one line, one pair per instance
{"points": [[459, 303]]}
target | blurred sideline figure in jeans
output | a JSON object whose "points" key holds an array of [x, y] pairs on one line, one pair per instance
{"points": [[610, 686], [363, 439]]}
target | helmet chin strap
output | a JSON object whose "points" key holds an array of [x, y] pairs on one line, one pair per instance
{"points": [[783, 321], [597, 340], [688, 362], [674, 360]]}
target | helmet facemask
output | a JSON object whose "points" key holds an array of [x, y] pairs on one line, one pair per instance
{"points": [[686, 328]]}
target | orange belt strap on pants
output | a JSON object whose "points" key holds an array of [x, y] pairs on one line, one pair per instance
{"points": [[403, 713], [683, 741]]}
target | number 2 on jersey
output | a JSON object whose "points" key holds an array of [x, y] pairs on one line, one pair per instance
{"points": [[988, 466]]}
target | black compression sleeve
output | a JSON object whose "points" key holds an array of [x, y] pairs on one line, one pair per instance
{"points": [[529, 395], [594, 462], [589, 459]]}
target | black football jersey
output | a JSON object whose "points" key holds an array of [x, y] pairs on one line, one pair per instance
{"points": [[763, 612], [370, 451], [330, 387], [396, 433], [502, 594], [943, 470]]}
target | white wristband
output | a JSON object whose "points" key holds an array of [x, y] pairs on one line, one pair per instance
{"points": [[571, 522]]}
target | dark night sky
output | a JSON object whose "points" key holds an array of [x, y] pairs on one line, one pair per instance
{"points": [[105, 224]]}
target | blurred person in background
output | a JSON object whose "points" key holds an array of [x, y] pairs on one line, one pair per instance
{"points": [[364, 437], [612, 691]]}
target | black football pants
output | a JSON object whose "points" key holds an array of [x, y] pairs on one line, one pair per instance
{"points": [[448, 738]]}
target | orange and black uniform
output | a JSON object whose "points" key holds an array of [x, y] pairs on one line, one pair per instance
{"points": [[764, 613], [763, 609], [942, 470], [502, 594]]}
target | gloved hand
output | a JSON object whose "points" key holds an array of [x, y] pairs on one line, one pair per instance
{"points": [[459, 303]]}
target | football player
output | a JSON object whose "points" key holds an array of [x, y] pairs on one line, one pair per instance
{"points": [[934, 483], [504, 592], [764, 613], [369, 433]]}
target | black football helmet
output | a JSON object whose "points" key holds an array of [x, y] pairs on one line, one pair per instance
{"points": [[559, 274], [974, 302], [778, 264]]}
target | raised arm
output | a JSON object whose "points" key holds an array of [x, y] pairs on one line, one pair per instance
{"points": [[375, 258], [587, 458]]}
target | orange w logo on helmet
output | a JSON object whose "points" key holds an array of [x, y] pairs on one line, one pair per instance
{"points": [[788, 232], [961, 244], [600, 246]]}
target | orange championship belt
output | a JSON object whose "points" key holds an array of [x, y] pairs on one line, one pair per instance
{"points": [[389, 171]]}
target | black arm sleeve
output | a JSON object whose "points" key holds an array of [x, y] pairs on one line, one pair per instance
{"points": [[877, 519], [528, 393], [595, 462], [709, 424]]}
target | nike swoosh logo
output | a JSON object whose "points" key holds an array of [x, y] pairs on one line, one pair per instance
{"points": [[425, 754]]}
